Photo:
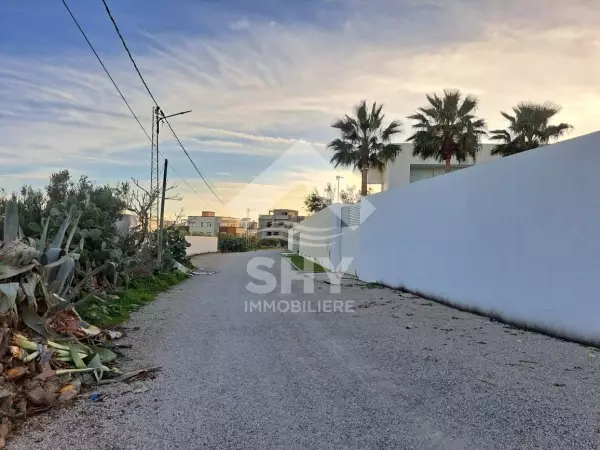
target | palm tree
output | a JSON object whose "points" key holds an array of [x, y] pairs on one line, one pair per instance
{"points": [[447, 128], [528, 128], [364, 143]]}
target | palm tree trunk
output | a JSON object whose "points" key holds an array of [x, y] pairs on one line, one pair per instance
{"points": [[448, 157], [364, 190]]}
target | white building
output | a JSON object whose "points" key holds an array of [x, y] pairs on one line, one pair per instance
{"points": [[408, 168]]}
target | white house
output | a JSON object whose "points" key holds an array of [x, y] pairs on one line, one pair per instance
{"points": [[408, 168]]}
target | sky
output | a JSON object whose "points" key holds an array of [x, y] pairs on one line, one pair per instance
{"points": [[265, 79]]}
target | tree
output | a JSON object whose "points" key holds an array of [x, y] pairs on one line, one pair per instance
{"points": [[315, 202], [349, 195], [528, 128], [364, 143], [447, 128]]}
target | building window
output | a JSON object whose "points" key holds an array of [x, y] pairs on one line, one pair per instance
{"points": [[269, 233], [276, 233], [209, 224]]}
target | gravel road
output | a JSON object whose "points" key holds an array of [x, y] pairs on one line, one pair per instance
{"points": [[401, 373]]}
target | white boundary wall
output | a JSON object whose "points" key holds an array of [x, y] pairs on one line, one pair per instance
{"points": [[201, 244], [319, 237], [517, 238]]}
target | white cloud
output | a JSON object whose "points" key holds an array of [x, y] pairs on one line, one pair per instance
{"points": [[239, 25], [263, 90]]}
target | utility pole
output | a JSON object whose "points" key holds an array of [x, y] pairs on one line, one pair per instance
{"points": [[154, 160], [162, 213], [338, 177], [157, 117]]}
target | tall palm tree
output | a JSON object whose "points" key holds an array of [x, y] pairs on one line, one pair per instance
{"points": [[364, 143], [528, 128], [447, 128]]}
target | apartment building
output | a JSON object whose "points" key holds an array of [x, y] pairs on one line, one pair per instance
{"points": [[277, 223]]}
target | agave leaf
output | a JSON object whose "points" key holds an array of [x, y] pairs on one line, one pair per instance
{"points": [[42, 242], [75, 355], [11, 221], [96, 363], [8, 298], [65, 275], [29, 284], [63, 228], [51, 256], [35, 322], [105, 354], [54, 212], [72, 233], [7, 271], [81, 242]]}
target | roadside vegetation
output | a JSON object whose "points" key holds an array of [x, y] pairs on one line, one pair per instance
{"points": [[229, 243], [66, 268]]}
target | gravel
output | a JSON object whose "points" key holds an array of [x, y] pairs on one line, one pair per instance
{"points": [[400, 372]]}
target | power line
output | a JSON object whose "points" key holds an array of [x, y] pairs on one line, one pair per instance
{"points": [[112, 19], [122, 96], [106, 70]]}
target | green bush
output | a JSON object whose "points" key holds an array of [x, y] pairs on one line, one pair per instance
{"points": [[230, 243], [271, 243]]}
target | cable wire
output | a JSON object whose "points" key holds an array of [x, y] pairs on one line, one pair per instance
{"points": [[106, 70], [112, 19], [123, 97]]}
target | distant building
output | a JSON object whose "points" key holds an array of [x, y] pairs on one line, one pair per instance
{"points": [[248, 223], [210, 225], [277, 223]]}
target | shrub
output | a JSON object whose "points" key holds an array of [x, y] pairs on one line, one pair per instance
{"points": [[271, 243], [231, 243]]}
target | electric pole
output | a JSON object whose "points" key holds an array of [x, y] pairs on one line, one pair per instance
{"points": [[162, 214], [154, 161], [157, 116]]}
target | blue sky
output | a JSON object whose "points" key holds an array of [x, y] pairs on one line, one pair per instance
{"points": [[262, 76]]}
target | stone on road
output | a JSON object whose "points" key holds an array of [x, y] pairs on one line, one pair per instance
{"points": [[400, 372]]}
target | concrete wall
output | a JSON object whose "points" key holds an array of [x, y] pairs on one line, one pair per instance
{"points": [[320, 237], [349, 249], [518, 238], [201, 244]]}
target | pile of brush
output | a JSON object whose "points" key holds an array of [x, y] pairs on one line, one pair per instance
{"points": [[47, 352]]}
